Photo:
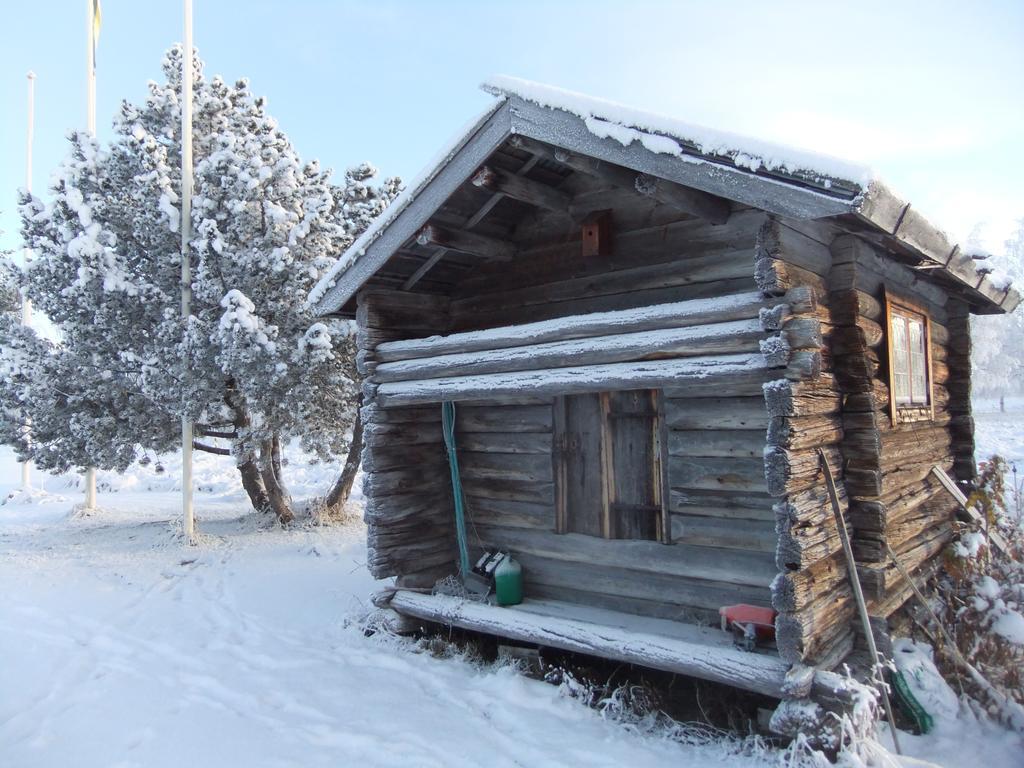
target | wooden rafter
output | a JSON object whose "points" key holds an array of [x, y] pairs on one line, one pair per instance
{"points": [[521, 188], [706, 206], [464, 241], [471, 222]]}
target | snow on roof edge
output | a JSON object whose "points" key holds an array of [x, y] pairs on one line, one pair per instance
{"points": [[659, 134], [744, 151]]}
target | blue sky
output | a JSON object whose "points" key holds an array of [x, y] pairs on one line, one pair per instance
{"points": [[927, 93]]}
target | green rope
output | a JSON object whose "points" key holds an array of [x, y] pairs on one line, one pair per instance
{"points": [[448, 428]]}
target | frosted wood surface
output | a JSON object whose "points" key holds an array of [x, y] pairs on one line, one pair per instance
{"points": [[695, 651]]}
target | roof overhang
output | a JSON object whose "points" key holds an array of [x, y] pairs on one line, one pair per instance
{"points": [[796, 195]]}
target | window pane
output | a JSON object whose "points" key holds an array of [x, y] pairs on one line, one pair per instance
{"points": [[900, 360], [918, 364]]}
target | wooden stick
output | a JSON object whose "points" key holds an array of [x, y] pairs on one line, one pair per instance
{"points": [[858, 595], [971, 514]]}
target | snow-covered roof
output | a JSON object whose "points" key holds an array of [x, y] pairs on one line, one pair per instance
{"points": [[783, 180], [667, 135]]}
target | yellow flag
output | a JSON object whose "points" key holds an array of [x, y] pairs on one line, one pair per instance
{"points": [[96, 16]]}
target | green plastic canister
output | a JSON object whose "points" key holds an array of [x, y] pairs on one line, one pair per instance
{"points": [[508, 582]]}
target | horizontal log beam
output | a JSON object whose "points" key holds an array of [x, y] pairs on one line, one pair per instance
{"points": [[694, 202], [520, 188], [715, 339], [573, 380], [680, 314], [464, 241], [682, 560], [696, 652], [711, 208]]}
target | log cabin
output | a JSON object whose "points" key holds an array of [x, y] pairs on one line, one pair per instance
{"points": [[648, 330]]}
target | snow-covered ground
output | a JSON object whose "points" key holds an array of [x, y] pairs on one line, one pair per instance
{"points": [[122, 647]]}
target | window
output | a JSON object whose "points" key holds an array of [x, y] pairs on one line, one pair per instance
{"points": [[909, 362], [609, 471]]}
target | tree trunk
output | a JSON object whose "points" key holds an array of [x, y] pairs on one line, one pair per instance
{"points": [[279, 500], [335, 500], [252, 479], [253, 484]]}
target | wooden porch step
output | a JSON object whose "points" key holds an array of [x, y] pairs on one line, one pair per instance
{"points": [[700, 652]]}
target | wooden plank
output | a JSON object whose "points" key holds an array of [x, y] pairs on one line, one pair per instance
{"points": [[513, 514], [972, 514], [505, 442], [716, 413], [573, 380], [710, 271], [586, 302], [509, 490], [722, 504], [751, 535], [526, 467], [649, 589], [748, 443], [731, 566], [633, 465], [557, 254], [701, 653], [470, 418], [560, 463], [662, 487], [586, 498], [731, 474]]}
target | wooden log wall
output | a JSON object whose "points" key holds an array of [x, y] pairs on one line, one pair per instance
{"points": [[406, 482], [673, 260], [958, 388], [810, 591], [894, 499], [715, 323]]}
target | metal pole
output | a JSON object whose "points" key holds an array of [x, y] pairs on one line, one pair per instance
{"points": [[858, 594], [90, 67], [90, 126], [188, 522], [26, 304]]}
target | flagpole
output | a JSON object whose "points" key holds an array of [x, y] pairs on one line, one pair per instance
{"points": [[26, 304], [90, 125], [188, 523]]}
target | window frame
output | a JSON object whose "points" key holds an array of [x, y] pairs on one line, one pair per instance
{"points": [[903, 413]]}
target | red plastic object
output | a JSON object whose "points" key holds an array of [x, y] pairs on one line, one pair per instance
{"points": [[742, 614]]}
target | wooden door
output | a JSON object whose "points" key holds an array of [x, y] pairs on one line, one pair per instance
{"points": [[582, 479], [633, 478], [608, 465]]}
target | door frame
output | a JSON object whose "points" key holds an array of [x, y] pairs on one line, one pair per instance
{"points": [[659, 468]]}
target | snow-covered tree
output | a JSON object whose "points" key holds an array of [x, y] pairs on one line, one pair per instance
{"points": [[252, 366], [997, 340], [10, 297]]}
